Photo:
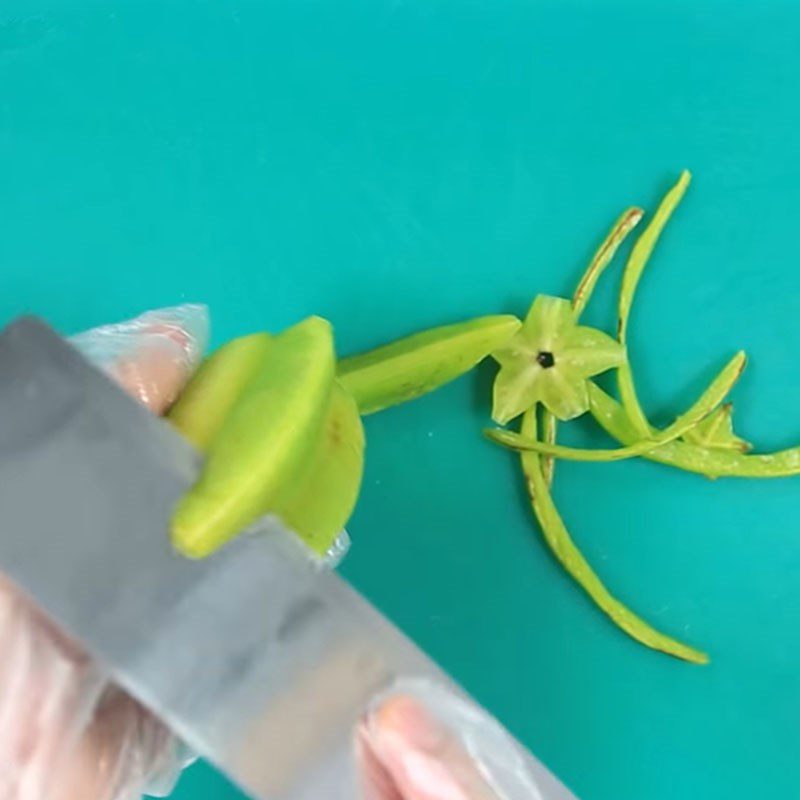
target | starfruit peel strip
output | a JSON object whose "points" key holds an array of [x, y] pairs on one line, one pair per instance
{"points": [[702, 408], [640, 255], [565, 550], [602, 257]]}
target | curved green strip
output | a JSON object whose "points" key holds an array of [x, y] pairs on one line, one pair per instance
{"points": [[711, 462], [560, 542]]}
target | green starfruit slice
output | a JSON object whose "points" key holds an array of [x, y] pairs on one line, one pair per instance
{"points": [[266, 440], [417, 364]]}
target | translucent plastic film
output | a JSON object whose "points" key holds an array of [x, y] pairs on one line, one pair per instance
{"points": [[152, 355], [420, 741]]}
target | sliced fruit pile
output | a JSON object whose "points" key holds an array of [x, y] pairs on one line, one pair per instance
{"points": [[279, 420]]}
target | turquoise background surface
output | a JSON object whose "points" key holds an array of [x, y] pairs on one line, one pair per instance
{"points": [[398, 164]]}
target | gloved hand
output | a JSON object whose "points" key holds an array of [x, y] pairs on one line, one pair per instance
{"points": [[66, 733], [407, 753]]}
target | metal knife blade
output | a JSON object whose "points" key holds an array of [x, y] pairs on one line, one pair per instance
{"points": [[259, 659]]}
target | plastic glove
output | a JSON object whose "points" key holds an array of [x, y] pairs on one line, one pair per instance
{"points": [[66, 733], [407, 753]]}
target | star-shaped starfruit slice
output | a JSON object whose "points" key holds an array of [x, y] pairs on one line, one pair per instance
{"points": [[549, 361]]}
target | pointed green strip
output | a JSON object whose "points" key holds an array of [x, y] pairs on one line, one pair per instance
{"points": [[712, 462], [564, 549], [630, 280], [603, 256], [709, 400]]}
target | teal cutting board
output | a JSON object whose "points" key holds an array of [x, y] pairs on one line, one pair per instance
{"points": [[396, 164]]}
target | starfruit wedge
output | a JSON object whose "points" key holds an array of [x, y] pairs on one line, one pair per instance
{"points": [[212, 392], [265, 441], [420, 363], [319, 504]]}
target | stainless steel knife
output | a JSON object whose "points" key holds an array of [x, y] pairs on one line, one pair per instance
{"points": [[258, 658]]}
